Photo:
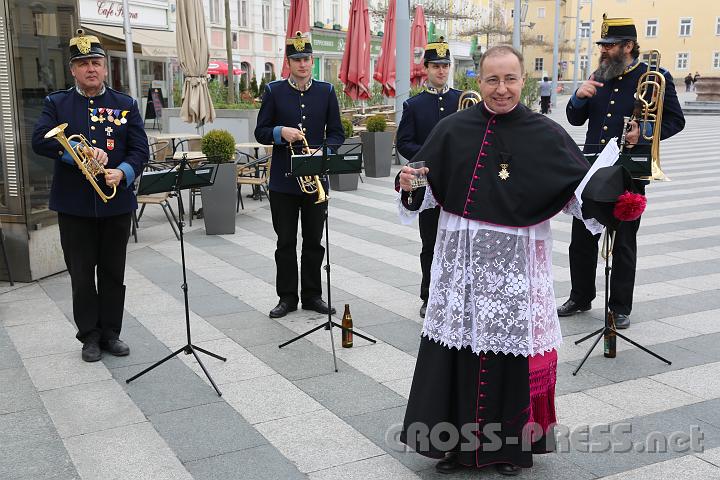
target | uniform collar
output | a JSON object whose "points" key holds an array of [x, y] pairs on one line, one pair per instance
{"points": [[294, 84], [79, 90], [437, 91], [633, 65]]}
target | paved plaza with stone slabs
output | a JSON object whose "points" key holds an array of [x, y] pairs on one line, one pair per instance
{"points": [[285, 414]]}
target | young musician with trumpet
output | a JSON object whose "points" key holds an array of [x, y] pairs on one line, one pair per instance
{"points": [[312, 106], [94, 229], [420, 115], [603, 101]]}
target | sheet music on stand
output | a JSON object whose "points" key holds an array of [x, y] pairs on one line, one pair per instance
{"points": [[326, 160], [165, 179]]}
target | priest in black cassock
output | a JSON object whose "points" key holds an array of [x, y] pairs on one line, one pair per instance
{"points": [[487, 360]]}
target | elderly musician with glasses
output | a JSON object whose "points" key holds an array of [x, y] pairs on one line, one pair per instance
{"points": [[94, 230], [603, 101], [487, 361]]}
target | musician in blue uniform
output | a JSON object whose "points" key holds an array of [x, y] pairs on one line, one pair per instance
{"points": [[603, 101], [292, 109], [420, 115], [94, 234]]}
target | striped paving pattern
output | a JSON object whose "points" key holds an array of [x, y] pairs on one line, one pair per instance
{"points": [[285, 414]]}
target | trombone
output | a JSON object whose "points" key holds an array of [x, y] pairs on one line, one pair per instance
{"points": [[84, 157], [310, 184], [650, 97]]}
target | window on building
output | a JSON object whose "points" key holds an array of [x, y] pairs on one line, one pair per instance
{"points": [[584, 63], [214, 11], [286, 11], [651, 28], [245, 76], [317, 11], [336, 11], [243, 13], [541, 12], [235, 40], [717, 26], [539, 64], [540, 38], [682, 60], [716, 60], [269, 72], [266, 24], [584, 29], [685, 27]]}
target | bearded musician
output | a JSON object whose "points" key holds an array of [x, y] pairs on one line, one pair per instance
{"points": [[603, 101]]}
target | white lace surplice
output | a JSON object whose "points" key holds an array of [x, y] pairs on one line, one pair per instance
{"points": [[491, 287]]}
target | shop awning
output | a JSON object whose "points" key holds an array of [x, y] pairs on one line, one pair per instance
{"points": [[152, 43]]}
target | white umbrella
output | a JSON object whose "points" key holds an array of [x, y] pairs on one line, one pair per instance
{"points": [[194, 56]]}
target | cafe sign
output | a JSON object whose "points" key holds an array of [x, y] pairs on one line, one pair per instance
{"points": [[147, 13], [324, 42]]}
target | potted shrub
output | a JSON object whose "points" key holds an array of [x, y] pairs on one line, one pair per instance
{"points": [[346, 181], [377, 147], [218, 200]]}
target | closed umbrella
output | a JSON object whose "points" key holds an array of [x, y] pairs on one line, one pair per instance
{"points": [[194, 56], [418, 40], [298, 21], [385, 67], [355, 66]]}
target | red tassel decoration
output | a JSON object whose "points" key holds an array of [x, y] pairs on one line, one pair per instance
{"points": [[629, 206]]}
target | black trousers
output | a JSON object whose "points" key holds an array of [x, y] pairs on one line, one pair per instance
{"points": [[96, 247], [285, 209], [544, 104], [584, 259], [428, 232]]}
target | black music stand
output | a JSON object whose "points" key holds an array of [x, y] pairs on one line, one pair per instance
{"points": [[600, 211], [322, 161], [180, 177]]}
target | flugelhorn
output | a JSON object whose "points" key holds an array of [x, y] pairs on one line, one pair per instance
{"points": [[468, 99], [84, 157], [311, 184], [650, 97]]}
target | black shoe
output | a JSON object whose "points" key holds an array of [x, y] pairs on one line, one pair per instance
{"points": [[571, 308], [115, 347], [507, 469], [622, 321], [449, 464], [317, 304], [282, 309], [91, 352], [423, 309]]}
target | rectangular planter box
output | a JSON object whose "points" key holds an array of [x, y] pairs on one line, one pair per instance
{"points": [[218, 202], [377, 153]]}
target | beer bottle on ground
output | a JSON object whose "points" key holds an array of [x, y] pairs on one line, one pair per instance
{"points": [[347, 336], [610, 338]]}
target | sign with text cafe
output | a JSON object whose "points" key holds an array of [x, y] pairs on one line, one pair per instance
{"points": [[146, 14]]}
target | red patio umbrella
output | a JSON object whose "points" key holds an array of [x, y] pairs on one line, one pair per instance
{"points": [[216, 67], [385, 66], [298, 21], [418, 40], [355, 66]]}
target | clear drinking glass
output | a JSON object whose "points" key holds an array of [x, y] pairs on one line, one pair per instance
{"points": [[420, 179]]}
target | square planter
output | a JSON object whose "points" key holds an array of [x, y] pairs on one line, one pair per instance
{"points": [[377, 153], [218, 201]]}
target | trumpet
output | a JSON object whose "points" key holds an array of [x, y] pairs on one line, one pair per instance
{"points": [[311, 184], [468, 99], [83, 155], [650, 97]]}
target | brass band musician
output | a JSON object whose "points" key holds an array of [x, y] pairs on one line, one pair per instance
{"points": [[603, 101], [312, 106], [94, 230]]}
